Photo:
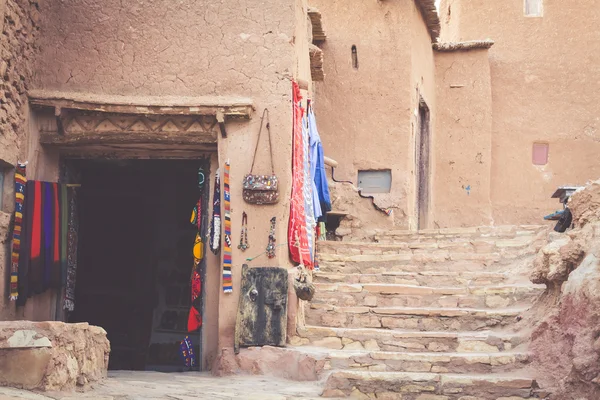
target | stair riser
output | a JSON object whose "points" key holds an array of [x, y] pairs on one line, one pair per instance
{"points": [[476, 364], [458, 246], [416, 390], [332, 318], [432, 264], [399, 300], [413, 279]]}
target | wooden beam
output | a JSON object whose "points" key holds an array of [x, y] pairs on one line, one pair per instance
{"points": [[121, 138], [236, 107]]}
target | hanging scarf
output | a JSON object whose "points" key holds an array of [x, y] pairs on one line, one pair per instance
{"points": [[308, 191], [227, 281], [20, 181], [297, 235], [72, 239], [215, 225]]}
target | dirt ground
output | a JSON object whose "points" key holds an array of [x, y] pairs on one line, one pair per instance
{"points": [[127, 385]]}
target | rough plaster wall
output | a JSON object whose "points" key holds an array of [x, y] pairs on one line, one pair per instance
{"points": [[364, 114], [545, 88], [190, 48], [19, 22], [464, 139], [422, 86]]}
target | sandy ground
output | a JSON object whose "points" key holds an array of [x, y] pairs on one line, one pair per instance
{"points": [[127, 385]]}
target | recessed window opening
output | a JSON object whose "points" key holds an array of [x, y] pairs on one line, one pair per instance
{"points": [[534, 8], [375, 181], [354, 57], [540, 153]]}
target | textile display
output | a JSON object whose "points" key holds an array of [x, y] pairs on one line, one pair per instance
{"points": [[309, 209], [297, 235], [227, 261], [20, 182], [215, 224], [195, 314], [72, 239], [321, 196], [186, 351]]}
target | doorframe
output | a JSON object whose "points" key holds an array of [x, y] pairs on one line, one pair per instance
{"points": [[423, 170]]}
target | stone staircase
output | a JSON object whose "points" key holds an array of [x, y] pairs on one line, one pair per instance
{"points": [[425, 316]]}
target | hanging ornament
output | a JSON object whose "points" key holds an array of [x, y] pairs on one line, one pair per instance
{"points": [[244, 233], [271, 246]]}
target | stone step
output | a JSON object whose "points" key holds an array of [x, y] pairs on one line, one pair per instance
{"points": [[395, 295], [420, 278], [427, 386], [359, 359], [418, 318], [451, 244], [402, 340], [430, 263], [497, 232]]}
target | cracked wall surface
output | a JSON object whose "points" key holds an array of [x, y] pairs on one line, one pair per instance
{"points": [[362, 112], [241, 48], [544, 73], [19, 21], [463, 145]]}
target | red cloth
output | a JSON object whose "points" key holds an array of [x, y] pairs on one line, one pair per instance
{"points": [[297, 235], [195, 318], [36, 234]]}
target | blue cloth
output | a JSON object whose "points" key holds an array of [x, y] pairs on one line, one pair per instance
{"points": [[322, 199]]}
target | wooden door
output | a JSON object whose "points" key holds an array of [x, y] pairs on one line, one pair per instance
{"points": [[423, 167], [262, 313]]}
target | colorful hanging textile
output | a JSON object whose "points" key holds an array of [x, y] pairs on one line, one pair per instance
{"points": [[186, 351], [72, 239], [20, 182], [45, 269], [321, 198], [215, 225], [195, 315], [64, 233], [297, 235], [308, 191], [227, 262], [24, 285]]}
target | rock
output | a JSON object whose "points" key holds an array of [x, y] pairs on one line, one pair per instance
{"points": [[52, 355], [475, 346], [268, 360], [329, 342], [554, 262], [354, 346], [371, 345]]}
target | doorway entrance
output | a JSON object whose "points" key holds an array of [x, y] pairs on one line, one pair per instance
{"points": [[423, 144], [135, 256]]}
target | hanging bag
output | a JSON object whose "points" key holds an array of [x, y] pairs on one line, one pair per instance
{"points": [[261, 189]]}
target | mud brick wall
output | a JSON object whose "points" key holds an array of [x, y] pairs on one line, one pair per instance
{"points": [[19, 26]]}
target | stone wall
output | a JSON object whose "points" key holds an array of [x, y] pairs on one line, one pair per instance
{"points": [[19, 23], [52, 355]]}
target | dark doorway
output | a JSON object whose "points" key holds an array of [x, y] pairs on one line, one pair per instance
{"points": [[135, 257], [423, 143]]}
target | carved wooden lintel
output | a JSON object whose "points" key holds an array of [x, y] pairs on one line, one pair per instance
{"points": [[231, 107]]}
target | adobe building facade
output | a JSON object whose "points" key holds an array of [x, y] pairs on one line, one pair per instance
{"points": [[454, 121]]}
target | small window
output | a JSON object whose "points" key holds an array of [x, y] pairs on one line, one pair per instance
{"points": [[534, 8], [540, 153], [375, 181], [354, 57]]}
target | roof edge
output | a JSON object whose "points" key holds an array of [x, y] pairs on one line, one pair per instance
{"points": [[431, 17], [463, 46]]}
